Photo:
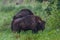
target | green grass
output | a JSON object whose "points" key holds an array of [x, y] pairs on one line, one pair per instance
{"points": [[7, 34], [51, 35], [6, 15]]}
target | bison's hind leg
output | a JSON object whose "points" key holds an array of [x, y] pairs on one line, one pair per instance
{"points": [[17, 29]]}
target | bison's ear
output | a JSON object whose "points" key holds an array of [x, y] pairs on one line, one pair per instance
{"points": [[39, 21]]}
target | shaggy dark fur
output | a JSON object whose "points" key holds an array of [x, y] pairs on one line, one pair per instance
{"points": [[23, 13], [28, 22]]}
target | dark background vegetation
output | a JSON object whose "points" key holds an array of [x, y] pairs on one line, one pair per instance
{"points": [[48, 10]]}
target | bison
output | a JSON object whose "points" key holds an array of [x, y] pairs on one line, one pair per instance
{"points": [[29, 22]]}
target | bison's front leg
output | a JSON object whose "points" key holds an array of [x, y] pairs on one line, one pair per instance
{"points": [[34, 30]]}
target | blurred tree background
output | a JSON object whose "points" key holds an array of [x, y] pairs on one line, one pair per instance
{"points": [[48, 10]]}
